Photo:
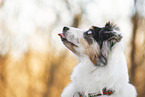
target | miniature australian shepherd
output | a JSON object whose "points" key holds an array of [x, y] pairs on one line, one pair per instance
{"points": [[102, 71]]}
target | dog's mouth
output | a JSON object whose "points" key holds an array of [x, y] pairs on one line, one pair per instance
{"points": [[67, 43]]}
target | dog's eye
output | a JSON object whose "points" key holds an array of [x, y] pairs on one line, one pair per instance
{"points": [[89, 32]]}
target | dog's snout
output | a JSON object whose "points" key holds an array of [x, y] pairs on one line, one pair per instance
{"points": [[65, 29]]}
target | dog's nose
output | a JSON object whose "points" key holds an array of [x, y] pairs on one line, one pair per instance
{"points": [[65, 29]]}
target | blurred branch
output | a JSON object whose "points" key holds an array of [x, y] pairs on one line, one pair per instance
{"points": [[142, 94], [76, 20], [142, 59], [135, 20], [1, 3], [77, 16]]}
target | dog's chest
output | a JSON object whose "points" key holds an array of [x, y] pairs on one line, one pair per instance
{"points": [[91, 80]]}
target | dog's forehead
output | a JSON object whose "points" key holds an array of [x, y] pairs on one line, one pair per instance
{"points": [[92, 27], [77, 29]]}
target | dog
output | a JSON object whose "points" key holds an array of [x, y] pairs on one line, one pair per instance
{"points": [[102, 70]]}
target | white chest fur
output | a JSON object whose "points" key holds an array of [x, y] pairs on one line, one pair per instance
{"points": [[92, 79]]}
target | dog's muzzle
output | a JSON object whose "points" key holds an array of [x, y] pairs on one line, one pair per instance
{"points": [[67, 43]]}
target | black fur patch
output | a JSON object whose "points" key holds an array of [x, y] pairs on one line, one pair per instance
{"points": [[102, 34], [105, 34], [96, 31], [110, 26]]}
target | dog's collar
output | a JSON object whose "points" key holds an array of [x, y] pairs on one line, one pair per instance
{"points": [[104, 92]]}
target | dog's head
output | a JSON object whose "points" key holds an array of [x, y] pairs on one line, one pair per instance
{"points": [[95, 42]]}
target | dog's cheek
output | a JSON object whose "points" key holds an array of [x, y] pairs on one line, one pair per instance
{"points": [[92, 51]]}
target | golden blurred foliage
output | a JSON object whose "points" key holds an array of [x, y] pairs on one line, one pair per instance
{"points": [[36, 74]]}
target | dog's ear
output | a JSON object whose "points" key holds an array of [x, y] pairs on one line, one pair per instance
{"points": [[110, 26]]}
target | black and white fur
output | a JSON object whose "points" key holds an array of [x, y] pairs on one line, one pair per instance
{"points": [[102, 62]]}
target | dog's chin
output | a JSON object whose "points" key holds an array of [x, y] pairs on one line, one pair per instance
{"points": [[67, 43]]}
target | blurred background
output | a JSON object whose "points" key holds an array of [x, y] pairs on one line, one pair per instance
{"points": [[33, 60]]}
